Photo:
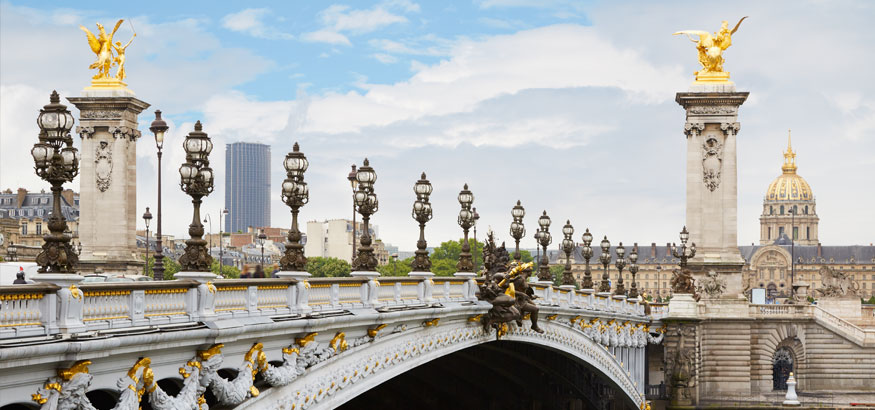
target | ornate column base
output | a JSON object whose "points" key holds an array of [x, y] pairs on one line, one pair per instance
{"points": [[294, 274], [682, 306], [69, 313]]}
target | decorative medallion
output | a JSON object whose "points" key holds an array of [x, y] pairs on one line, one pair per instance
{"points": [[103, 165], [712, 162]]}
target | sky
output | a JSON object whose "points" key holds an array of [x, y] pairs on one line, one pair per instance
{"points": [[566, 106]]}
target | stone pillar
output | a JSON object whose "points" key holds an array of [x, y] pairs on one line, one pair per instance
{"points": [[108, 180], [712, 180]]}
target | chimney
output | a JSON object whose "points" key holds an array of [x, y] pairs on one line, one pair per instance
{"points": [[668, 249], [22, 193], [653, 249], [819, 251], [68, 196]]}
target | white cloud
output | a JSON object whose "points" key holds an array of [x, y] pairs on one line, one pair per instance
{"points": [[341, 18], [251, 22], [384, 58]]}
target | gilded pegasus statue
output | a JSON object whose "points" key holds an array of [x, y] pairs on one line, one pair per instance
{"points": [[103, 47], [711, 46]]}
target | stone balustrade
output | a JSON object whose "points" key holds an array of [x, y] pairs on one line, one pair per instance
{"points": [[32, 310]]}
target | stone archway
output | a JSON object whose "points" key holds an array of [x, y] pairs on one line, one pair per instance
{"points": [[782, 366], [769, 341]]}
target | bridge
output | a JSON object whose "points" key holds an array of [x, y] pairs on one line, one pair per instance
{"points": [[297, 343]]}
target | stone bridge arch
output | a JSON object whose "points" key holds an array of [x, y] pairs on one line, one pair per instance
{"points": [[347, 375]]}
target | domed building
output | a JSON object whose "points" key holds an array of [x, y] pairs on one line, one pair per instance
{"points": [[789, 206]]}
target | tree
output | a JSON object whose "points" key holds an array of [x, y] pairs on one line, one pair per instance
{"points": [[556, 272], [445, 257], [396, 268], [321, 267], [525, 256], [171, 267], [228, 272], [443, 267]]}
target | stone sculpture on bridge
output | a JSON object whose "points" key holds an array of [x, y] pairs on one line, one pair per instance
{"points": [[510, 296], [836, 284]]}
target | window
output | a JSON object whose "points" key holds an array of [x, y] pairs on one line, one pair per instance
{"points": [[770, 233], [782, 209], [24, 229], [771, 210], [807, 232], [805, 210], [39, 228], [795, 233], [780, 231]]}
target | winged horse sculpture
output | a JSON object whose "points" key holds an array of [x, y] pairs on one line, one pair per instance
{"points": [[102, 46], [711, 47]]}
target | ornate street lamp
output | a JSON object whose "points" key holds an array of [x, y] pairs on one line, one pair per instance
{"points": [[56, 162], [354, 183], [422, 214], [295, 194], [262, 238], [159, 128], [466, 221], [545, 239], [12, 252], [517, 229], [620, 263], [605, 259], [476, 218], [196, 181], [633, 269], [684, 253], [568, 247], [147, 217], [367, 205], [587, 254]]}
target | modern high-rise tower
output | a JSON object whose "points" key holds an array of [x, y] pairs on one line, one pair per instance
{"points": [[247, 186]]}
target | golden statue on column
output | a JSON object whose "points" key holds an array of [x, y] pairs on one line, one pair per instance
{"points": [[107, 55], [710, 48]]}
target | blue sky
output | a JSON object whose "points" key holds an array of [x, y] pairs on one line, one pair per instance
{"points": [[567, 106]]}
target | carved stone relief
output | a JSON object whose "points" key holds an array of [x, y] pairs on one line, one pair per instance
{"points": [[103, 165], [100, 114], [714, 110], [712, 161], [692, 129], [125, 132]]}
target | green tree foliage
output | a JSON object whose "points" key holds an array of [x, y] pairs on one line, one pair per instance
{"points": [[227, 272], [170, 267], [396, 268], [321, 267], [556, 271], [525, 255], [443, 267], [445, 257]]}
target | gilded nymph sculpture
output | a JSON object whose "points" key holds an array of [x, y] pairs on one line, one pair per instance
{"points": [[710, 48], [108, 53]]}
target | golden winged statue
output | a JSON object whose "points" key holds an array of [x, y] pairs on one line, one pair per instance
{"points": [[107, 55], [710, 48]]}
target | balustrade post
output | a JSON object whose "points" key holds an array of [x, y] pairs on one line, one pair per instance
{"points": [[202, 299], [252, 299], [298, 295], [587, 298], [70, 301], [138, 307]]}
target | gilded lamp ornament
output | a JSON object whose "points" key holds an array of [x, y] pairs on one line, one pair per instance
{"points": [[108, 54], [466, 221], [366, 204], [710, 48], [56, 161], [422, 214], [196, 181], [295, 194]]}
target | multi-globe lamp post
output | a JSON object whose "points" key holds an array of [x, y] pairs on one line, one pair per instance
{"points": [[587, 254], [620, 263], [56, 161], [421, 213], [684, 252], [605, 259], [466, 221], [147, 217], [568, 248], [295, 194], [196, 181], [367, 204], [517, 229], [159, 128], [633, 269], [544, 239]]}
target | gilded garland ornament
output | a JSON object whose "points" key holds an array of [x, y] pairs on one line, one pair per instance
{"points": [[710, 48], [422, 214], [295, 194], [56, 161], [196, 181]]}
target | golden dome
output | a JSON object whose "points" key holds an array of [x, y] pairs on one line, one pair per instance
{"points": [[789, 186]]}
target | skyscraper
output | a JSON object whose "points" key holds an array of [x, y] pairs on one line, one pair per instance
{"points": [[247, 186]]}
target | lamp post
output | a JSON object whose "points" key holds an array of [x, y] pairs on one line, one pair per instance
{"points": [[261, 239], [568, 247], [517, 229], [587, 254], [367, 204], [56, 162], [620, 263], [158, 128], [196, 181], [605, 259], [658, 280], [466, 220], [422, 214], [223, 212], [147, 217], [353, 182], [210, 220], [633, 269], [792, 252], [12, 252], [295, 195], [545, 239], [684, 253], [394, 264]]}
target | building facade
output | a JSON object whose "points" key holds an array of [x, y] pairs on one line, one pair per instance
{"points": [[247, 186], [334, 239], [28, 213], [789, 207]]}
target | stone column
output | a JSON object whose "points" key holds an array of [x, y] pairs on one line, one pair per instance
{"points": [[108, 180], [712, 180]]}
